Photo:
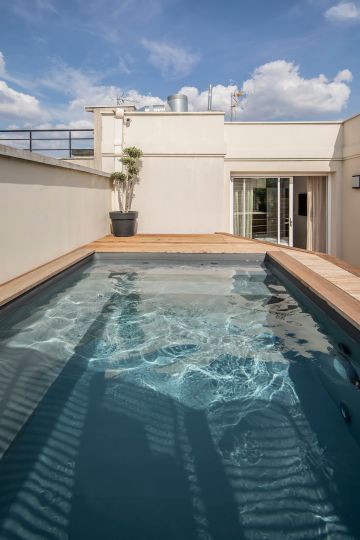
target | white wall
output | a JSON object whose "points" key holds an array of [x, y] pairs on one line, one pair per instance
{"points": [[176, 133], [182, 182], [189, 159], [300, 222], [181, 195], [182, 187], [289, 149], [288, 141], [350, 198], [47, 208]]}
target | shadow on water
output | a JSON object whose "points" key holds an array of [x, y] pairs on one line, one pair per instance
{"points": [[339, 479], [26, 372], [106, 458]]}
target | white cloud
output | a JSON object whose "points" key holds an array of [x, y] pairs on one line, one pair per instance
{"points": [[172, 61], [198, 100], [344, 76], [342, 12], [85, 89], [81, 89], [277, 91], [14, 104]]}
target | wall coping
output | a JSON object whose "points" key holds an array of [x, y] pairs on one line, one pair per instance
{"points": [[32, 157], [287, 122], [111, 111]]}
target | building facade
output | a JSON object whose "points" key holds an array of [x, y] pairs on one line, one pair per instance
{"points": [[285, 182]]}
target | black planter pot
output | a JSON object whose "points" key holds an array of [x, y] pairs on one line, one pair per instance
{"points": [[124, 223]]}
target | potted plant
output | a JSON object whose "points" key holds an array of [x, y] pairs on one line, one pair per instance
{"points": [[124, 221]]}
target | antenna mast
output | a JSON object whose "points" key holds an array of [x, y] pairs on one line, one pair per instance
{"points": [[234, 103], [210, 98]]}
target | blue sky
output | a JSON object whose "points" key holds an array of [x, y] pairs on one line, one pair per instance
{"points": [[294, 59]]}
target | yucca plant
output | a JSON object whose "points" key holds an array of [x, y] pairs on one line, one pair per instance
{"points": [[125, 180]]}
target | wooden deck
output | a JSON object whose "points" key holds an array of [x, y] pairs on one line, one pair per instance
{"points": [[180, 243], [335, 282]]}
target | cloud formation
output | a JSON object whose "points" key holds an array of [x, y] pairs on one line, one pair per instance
{"points": [[172, 61], [277, 91], [86, 89], [343, 12], [198, 100], [18, 105]]}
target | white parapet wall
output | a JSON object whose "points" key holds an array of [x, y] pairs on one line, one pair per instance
{"points": [[47, 208]]}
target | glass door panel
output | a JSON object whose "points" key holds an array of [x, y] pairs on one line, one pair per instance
{"points": [[262, 209], [284, 222], [256, 208]]}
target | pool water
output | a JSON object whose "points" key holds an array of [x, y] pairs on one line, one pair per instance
{"points": [[175, 401]]}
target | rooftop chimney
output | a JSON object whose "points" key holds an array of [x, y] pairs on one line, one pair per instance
{"points": [[178, 103]]}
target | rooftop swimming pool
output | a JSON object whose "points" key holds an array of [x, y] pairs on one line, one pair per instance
{"points": [[177, 400]]}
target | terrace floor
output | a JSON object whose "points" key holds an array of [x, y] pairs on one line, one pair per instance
{"points": [[180, 243], [335, 282]]}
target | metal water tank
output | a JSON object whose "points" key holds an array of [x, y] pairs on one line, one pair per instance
{"points": [[178, 103]]}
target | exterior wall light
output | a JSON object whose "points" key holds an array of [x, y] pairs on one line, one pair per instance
{"points": [[128, 122], [356, 181]]}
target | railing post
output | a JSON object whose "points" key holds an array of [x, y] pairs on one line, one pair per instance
{"points": [[30, 141], [69, 143]]}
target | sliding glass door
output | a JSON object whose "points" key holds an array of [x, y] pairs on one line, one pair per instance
{"points": [[262, 209]]}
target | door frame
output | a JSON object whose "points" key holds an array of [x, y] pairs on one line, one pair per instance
{"points": [[291, 202]]}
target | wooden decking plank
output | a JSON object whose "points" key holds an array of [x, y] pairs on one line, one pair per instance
{"points": [[344, 303], [178, 243], [336, 275]]}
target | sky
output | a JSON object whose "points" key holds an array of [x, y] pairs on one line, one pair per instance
{"points": [[293, 59]]}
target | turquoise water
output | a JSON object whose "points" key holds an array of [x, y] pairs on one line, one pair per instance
{"points": [[175, 402]]}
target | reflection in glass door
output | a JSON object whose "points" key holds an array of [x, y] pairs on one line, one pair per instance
{"points": [[262, 209]]}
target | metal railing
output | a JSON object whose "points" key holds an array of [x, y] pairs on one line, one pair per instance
{"points": [[64, 146]]}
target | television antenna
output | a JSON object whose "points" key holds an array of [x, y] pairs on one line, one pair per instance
{"points": [[234, 102], [122, 98]]}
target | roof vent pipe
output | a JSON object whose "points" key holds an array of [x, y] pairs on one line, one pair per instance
{"points": [[210, 98], [178, 103]]}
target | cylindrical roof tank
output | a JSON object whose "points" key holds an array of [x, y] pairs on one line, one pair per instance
{"points": [[178, 103]]}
